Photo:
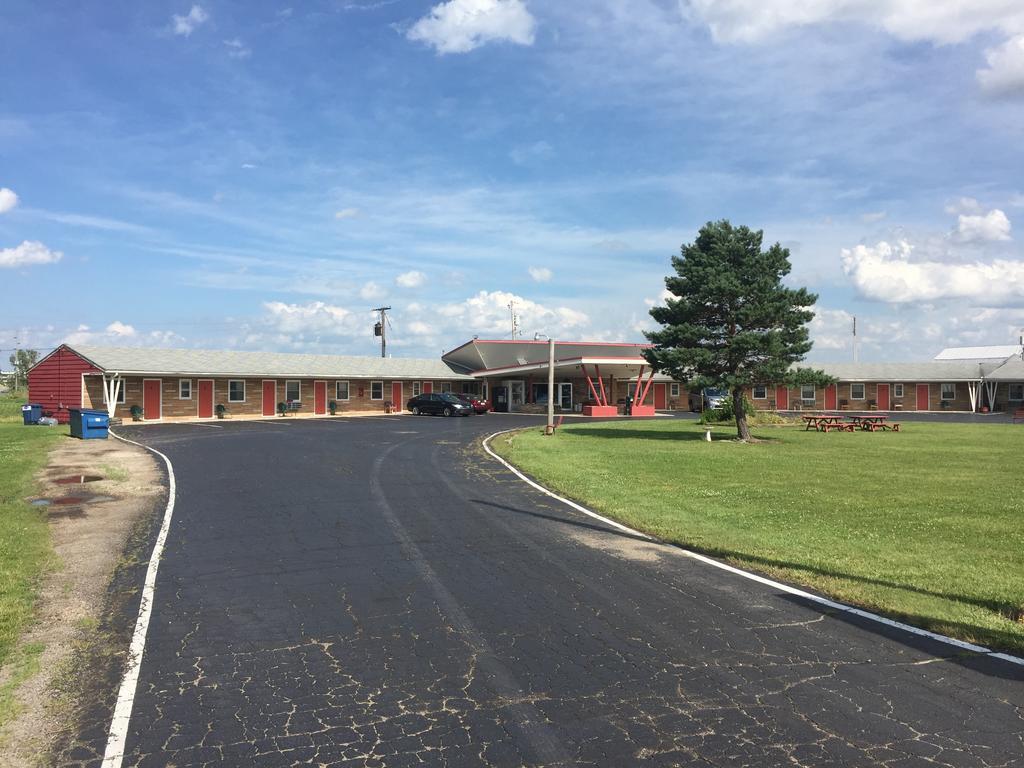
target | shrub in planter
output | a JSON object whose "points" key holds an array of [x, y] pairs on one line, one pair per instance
{"points": [[221, 410], [333, 407], [282, 408], [136, 412]]}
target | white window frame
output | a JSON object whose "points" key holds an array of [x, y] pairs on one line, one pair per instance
{"points": [[122, 396], [942, 391], [189, 395], [372, 384], [417, 389], [673, 389], [764, 392], [897, 391], [1009, 391], [234, 381], [814, 393], [863, 390], [298, 384], [337, 392]]}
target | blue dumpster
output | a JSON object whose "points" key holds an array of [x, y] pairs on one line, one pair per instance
{"points": [[88, 424], [31, 413]]}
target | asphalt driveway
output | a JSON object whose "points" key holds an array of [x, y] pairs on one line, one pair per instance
{"points": [[378, 592]]}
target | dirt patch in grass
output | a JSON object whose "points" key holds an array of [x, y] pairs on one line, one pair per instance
{"points": [[88, 536]]}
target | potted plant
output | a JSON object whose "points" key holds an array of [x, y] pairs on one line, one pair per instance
{"points": [[221, 410], [333, 407], [282, 408], [136, 412]]}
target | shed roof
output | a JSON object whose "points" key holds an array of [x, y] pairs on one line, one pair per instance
{"points": [[208, 362], [1011, 370]]}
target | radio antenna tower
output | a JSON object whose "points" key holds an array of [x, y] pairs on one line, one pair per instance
{"points": [[515, 320]]}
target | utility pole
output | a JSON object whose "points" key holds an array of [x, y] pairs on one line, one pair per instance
{"points": [[550, 428], [855, 339], [380, 329]]}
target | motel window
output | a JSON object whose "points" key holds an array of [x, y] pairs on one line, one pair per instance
{"points": [[856, 391], [897, 390], [376, 390], [807, 392], [293, 391], [467, 388], [446, 386], [760, 392], [674, 389], [236, 391], [341, 390], [1017, 392], [184, 389], [630, 388], [948, 392], [417, 389]]}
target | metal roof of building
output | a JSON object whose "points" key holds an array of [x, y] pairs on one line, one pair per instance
{"points": [[997, 352], [208, 362], [481, 355], [954, 370]]}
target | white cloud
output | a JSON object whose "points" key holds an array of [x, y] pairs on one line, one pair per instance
{"points": [[885, 272], [873, 217], [487, 314], [311, 318], [347, 213], [1005, 72], [29, 252], [122, 334], [990, 226], [371, 290], [411, 279], [540, 274], [419, 328], [938, 22], [237, 49], [8, 199], [117, 328], [459, 26], [185, 25], [964, 205], [248, 167]]}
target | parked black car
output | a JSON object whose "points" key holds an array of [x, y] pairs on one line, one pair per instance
{"points": [[444, 404]]}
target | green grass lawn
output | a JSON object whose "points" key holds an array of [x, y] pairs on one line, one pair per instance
{"points": [[24, 535], [926, 525]]}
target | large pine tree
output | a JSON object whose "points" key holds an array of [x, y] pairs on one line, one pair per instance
{"points": [[730, 321]]}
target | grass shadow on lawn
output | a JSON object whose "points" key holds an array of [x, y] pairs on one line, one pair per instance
{"points": [[719, 434], [984, 635]]}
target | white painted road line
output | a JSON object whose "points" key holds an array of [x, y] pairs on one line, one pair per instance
{"points": [[114, 753], [849, 609]]}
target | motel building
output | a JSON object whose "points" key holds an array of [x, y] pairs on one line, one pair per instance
{"points": [[591, 379]]}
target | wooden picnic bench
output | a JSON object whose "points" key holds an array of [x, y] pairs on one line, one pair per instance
{"points": [[837, 426], [292, 406], [817, 421]]}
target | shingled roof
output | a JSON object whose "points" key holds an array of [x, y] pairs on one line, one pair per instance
{"points": [[208, 362]]}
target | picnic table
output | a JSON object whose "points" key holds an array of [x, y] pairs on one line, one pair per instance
{"points": [[870, 423], [821, 422]]}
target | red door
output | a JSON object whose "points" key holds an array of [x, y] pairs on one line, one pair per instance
{"points": [[830, 397], [269, 397], [660, 403], [205, 398], [397, 397], [882, 397], [922, 397], [151, 397], [428, 387], [782, 398], [319, 398]]}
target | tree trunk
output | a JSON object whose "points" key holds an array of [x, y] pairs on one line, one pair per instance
{"points": [[742, 430]]}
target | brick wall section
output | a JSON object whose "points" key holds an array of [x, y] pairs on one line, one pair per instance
{"points": [[961, 402], [175, 408]]}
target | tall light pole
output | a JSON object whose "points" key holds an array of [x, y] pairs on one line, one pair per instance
{"points": [[550, 428]]}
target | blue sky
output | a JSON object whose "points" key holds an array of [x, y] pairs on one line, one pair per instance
{"points": [[258, 175]]}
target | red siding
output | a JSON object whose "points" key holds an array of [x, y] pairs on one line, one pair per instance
{"points": [[56, 382]]}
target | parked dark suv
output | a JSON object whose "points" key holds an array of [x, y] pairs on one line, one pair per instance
{"points": [[444, 404]]}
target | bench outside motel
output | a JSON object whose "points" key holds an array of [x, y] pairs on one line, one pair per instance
{"points": [[591, 379]]}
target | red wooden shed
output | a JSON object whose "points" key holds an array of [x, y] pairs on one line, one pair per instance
{"points": [[55, 382]]}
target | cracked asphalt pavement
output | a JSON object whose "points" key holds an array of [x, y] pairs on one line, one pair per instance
{"points": [[378, 592]]}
